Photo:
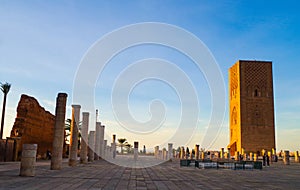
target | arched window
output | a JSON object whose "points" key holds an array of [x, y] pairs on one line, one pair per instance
{"points": [[257, 92]]}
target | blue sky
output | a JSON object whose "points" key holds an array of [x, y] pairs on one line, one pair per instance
{"points": [[43, 42]]}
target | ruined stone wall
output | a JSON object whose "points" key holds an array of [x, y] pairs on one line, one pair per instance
{"points": [[33, 124]]}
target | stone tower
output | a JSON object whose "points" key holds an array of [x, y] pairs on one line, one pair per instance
{"points": [[251, 107]]}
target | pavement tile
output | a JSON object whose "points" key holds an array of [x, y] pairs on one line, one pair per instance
{"points": [[104, 175]]}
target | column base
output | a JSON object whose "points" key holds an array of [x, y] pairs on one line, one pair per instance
{"points": [[72, 162]]}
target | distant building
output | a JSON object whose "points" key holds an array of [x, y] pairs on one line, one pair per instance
{"points": [[251, 107]]}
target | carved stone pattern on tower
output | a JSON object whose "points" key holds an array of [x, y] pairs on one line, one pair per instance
{"points": [[234, 82], [33, 124], [256, 76]]}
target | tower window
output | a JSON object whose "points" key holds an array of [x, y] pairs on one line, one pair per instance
{"points": [[256, 93]]}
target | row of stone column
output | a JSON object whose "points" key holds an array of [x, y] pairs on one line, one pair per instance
{"points": [[98, 147], [164, 154], [271, 155], [286, 157], [93, 145]]}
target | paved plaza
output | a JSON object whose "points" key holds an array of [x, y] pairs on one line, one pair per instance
{"points": [[103, 175]]}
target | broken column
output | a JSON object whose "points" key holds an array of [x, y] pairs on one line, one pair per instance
{"points": [[91, 147], [202, 155], [164, 154], [170, 151], [270, 156], [108, 152], [286, 157], [196, 152], [59, 132], [28, 160], [222, 153], [97, 140], [211, 155], [104, 148], [274, 155], [182, 152], [156, 150], [74, 135], [101, 139], [236, 156], [84, 137], [113, 145], [263, 152], [255, 157], [296, 156], [136, 147], [160, 154], [226, 155], [251, 156]]}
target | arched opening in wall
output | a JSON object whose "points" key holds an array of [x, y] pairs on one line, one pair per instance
{"points": [[256, 92], [234, 116]]}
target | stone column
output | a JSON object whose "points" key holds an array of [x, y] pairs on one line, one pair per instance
{"points": [[97, 140], [245, 157], [202, 155], [164, 154], [107, 152], [236, 156], [110, 153], [263, 151], [136, 150], [59, 132], [113, 145], [170, 151], [228, 150], [297, 156], [91, 148], [182, 153], [196, 152], [286, 157], [156, 150], [273, 153], [84, 137], [160, 155], [226, 155], [211, 156], [73, 148], [251, 156], [102, 149], [28, 160], [218, 155], [255, 157], [270, 156], [222, 153]]}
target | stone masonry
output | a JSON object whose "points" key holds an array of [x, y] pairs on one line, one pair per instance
{"points": [[251, 107], [34, 125]]}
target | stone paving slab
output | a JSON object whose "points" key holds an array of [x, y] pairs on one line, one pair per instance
{"points": [[104, 175]]}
